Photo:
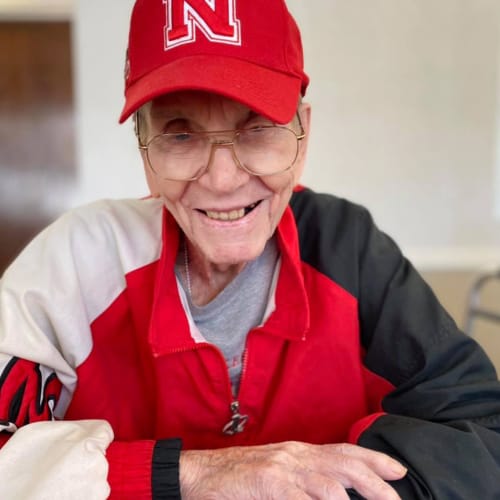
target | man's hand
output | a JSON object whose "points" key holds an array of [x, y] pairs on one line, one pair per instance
{"points": [[291, 470]]}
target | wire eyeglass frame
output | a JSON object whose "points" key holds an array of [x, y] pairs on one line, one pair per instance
{"points": [[218, 144]]}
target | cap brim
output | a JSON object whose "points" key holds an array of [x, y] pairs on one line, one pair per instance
{"points": [[272, 94]]}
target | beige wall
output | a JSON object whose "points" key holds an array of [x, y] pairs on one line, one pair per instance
{"points": [[453, 288], [405, 96]]}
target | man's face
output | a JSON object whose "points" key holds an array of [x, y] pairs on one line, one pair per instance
{"points": [[227, 214]]}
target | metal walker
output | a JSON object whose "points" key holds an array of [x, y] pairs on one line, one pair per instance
{"points": [[475, 309]]}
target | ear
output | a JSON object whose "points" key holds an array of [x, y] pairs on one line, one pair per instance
{"points": [[304, 112]]}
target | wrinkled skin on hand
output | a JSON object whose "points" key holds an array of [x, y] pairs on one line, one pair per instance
{"points": [[291, 470]]}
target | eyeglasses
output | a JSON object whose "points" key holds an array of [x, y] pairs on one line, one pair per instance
{"points": [[186, 156]]}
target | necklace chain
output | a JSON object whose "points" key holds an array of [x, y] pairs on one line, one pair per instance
{"points": [[186, 268]]}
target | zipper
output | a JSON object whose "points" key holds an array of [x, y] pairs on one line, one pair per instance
{"points": [[237, 422]]}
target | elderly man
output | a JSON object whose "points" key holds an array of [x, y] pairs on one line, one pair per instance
{"points": [[235, 335]]}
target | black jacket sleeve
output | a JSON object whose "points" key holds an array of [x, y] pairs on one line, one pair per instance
{"points": [[443, 417]]}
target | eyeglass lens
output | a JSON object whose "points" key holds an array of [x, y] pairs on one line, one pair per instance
{"points": [[261, 151]]}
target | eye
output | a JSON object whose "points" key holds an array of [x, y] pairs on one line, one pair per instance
{"points": [[258, 137], [181, 137], [259, 123], [177, 132], [258, 132], [253, 132], [183, 141]]}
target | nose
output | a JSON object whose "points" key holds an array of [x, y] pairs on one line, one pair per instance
{"points": [[223, 174]]}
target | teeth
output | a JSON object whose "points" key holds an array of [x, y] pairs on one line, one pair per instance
{"points": [[232, 215]]}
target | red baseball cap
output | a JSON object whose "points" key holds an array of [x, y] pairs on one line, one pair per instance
{"points": [[247, 50]]}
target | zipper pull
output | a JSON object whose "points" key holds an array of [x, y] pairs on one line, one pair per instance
{"points": [[237, 422]]}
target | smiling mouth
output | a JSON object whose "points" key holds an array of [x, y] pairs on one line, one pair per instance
{"points": [[230, 215]]}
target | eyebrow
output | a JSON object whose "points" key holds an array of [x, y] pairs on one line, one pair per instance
{"points": [[172, 113], [168, 113]]}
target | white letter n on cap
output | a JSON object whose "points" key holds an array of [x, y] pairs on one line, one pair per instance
{"points": [[216, 19]]}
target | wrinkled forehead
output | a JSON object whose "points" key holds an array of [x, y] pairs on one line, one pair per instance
{"points": [[196, 105]]}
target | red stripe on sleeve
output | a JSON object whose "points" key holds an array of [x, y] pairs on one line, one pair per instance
{"points": [[362, 425]]}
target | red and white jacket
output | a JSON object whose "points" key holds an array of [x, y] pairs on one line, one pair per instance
{"points": [[98, 347]]}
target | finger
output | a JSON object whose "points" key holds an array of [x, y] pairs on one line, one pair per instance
{"points": [[290, 493], [354, 473], [383, 465], [373, 487], [321, 487]]}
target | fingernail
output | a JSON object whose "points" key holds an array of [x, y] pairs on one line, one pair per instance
{"points": [[399, 469]]}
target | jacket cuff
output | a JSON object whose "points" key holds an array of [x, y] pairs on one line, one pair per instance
{"points": [[129, 473], [165, 471]]}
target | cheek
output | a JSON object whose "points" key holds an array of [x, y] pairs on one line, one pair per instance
{"points": [[170, 191], [172, 194], [281, 185], [282, 188]]}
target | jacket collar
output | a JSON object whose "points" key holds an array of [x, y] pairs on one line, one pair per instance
{"points": [[171, 327]]}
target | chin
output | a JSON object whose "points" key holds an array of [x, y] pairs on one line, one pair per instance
{"points": [[237, 254]]}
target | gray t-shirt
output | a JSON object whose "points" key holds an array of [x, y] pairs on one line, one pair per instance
{"points": [[226, 320]]}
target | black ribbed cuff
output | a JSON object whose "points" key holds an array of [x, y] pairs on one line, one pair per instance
{"points": [[165, 483]]}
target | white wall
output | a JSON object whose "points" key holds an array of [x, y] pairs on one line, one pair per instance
{"points": [[405, 94], [497, 153], [108, 160], [405, 104]]}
